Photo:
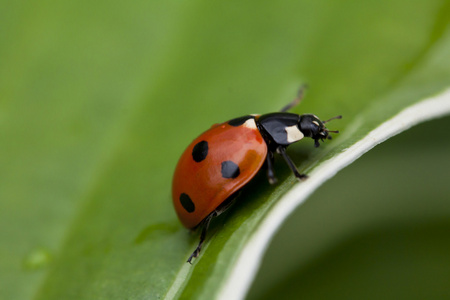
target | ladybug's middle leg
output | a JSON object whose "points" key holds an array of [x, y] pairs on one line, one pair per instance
{"points": [[270, 172]]}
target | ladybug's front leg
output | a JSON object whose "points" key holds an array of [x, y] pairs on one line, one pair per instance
{"points": [[282, 150], [296, 101]]}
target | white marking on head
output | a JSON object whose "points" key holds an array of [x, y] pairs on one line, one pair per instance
{"points": [[293, 134], [250, 123]]}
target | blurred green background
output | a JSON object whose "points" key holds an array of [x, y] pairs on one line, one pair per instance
{"points": [[99, 99]]}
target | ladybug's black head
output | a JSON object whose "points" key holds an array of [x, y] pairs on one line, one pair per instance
{"points": [[311, 126]]}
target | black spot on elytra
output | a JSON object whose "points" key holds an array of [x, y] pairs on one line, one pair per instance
{"points": [[230, 169], [200, 151], [187, 203], [239, 121]]}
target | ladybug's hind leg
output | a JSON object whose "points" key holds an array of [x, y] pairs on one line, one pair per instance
{"points": [[205, 223], [282, 150]]}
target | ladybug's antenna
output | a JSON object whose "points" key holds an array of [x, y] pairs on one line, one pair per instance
{"points": [[333, 118], [296, 101], [332, 131]]}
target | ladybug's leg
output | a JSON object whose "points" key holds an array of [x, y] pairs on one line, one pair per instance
{"points": [[205, 224], [282, 151], [270, 173], [202, 236], [297, 100]]}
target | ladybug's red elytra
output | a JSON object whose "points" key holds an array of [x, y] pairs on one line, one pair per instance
{"points": [[218, 163]]}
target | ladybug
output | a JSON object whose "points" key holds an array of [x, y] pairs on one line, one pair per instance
{"points": [[223, 159]]}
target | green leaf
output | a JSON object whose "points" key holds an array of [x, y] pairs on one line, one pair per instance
{"points": [[99, 99]]}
